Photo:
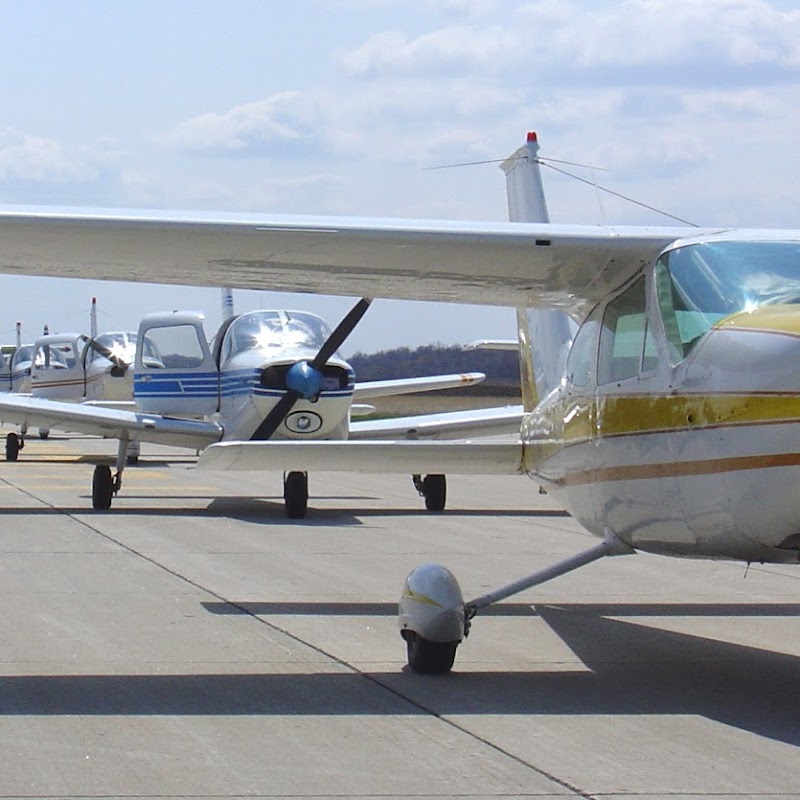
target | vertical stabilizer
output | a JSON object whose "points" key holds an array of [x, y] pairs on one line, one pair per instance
{"points": [[524, 188], [93, 319], [227, 304], [549, 331]]}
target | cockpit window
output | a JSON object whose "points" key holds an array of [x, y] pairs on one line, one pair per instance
{"points": [[622, 336], [121, 344], [272, 330], [699, 285], [22, 354]]}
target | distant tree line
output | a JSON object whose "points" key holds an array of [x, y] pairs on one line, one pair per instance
{"points": [[500, 367]]}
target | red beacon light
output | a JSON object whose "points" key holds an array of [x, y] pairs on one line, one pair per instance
{"points": [[531, 137]]}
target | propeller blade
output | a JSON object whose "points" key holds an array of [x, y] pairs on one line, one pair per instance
{"points": [[271, 422], [104, 351], [342, 331], [279, 411]]}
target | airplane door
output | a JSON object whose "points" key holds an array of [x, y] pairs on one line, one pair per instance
{"points": [[633, 455], [175, 374]]}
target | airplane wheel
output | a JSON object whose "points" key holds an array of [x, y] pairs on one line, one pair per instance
{"points": [[434, 489], [295, 494], [131, 461], [102, 487], [429, 658], [44, 433], [12, 447]]}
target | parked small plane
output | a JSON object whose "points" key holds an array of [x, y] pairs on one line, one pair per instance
{"points": [[266, 374], [77, 368], [673, 426]]}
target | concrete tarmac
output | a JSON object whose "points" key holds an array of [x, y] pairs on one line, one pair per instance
{"points": [[193, 642]]}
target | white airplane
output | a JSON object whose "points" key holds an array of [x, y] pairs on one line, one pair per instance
{"points": [[674, 426], [77, 368]]}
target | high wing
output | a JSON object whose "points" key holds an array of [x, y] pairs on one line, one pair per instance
{"points": [[455, 458], [510, 264], [367, 390], [110, 423]]}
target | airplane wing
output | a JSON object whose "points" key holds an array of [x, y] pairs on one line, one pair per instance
{"points": [[509, 264], [452, 458], [446, 425], [366, 390], [109, 423]]}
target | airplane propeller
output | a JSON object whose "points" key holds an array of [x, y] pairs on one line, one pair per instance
{"points": [[305, 379], [120, 365]]}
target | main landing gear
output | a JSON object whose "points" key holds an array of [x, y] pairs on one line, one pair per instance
{"points": [[14, 443], [434, 617], [433, 488], [104, 484]]}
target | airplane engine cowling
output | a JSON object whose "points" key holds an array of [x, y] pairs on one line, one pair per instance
{"points": [[432, 605]]}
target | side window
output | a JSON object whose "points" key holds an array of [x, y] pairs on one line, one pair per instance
{"points": [[178, 345], [583, 352], [622, 336]]}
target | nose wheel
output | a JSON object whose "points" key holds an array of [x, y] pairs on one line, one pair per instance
{"points": [[295, 494]]}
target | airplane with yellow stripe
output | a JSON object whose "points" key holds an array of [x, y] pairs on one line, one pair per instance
{"points": [[660, 366]]}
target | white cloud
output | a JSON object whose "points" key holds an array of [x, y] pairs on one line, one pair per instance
{"points": [[277, 123], [24, 157], [448, 50]]}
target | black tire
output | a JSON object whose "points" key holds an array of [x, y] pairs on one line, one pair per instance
{"points": [[44, 433], [102, 487], [295, 494], [131, 461], [434, 488], [12, 447], [430, 658]]}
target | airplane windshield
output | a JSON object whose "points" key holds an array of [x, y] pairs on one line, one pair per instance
{"points": [[273, 330], [121, 344], [701, 284], [21, 354]]}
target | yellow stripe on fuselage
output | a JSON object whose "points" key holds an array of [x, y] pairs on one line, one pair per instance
{"points": [[779, 319], [624, 415]]}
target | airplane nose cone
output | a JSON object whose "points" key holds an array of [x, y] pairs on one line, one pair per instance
{"points": [[305, 380]]}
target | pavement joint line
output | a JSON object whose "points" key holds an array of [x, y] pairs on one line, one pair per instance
{"points": [[315, 648]]}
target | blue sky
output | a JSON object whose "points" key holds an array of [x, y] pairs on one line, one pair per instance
{"points": [[338, 107]]}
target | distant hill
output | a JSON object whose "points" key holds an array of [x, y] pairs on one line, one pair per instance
{"points": [[501, 367]]}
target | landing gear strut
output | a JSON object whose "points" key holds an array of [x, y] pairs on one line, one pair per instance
{"points": [[433, 488], [295, 494], [434, 618]]}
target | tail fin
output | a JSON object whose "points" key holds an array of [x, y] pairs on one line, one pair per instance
{"points": [[93, 319], [551, 331], [227, 304]]}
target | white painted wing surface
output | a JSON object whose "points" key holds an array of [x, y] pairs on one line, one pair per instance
{"points": [[500, 263], [453, 458], [446, 425], [107, 422], [367, 390]]}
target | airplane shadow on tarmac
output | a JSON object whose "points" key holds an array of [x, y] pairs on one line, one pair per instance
{"points": [[630, 669]]}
